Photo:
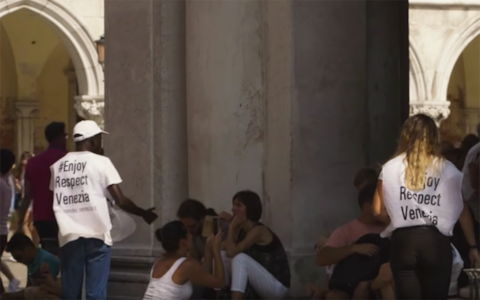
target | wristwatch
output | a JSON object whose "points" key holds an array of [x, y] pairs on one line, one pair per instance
{"points": [[473, 246]]}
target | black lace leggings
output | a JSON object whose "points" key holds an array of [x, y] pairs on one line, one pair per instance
{"points": [[421, 262]]}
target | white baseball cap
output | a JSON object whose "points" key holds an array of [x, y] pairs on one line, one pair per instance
{"points": [[85, 130]]}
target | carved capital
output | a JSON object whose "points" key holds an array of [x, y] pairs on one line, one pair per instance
{"points": [[437, 110], [26, 108], [91, 108]]}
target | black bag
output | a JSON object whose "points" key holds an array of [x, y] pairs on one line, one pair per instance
{"points": [[357, 268]]}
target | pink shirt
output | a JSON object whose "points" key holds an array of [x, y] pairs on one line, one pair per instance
{"points": [[348, 234], [38, 176]]}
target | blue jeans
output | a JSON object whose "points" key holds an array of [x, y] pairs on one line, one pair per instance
{"points": [[91, 256]]}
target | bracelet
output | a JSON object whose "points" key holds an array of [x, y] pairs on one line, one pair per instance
{"points": [[473, 247]]}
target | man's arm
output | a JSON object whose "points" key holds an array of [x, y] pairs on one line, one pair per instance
{"points": [[24, 204], [112, 181], [332, 255], [379, 210], [125, 203], [466, 223]]}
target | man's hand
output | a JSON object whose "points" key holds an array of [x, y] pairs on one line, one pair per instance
{"points": [[149, 216], [366, 249], [474, 257]]}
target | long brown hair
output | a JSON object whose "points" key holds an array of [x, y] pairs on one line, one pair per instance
{"points": [[420, 142], [19, 168]]}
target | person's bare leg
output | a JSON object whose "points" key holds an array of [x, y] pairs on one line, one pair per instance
{"points": [[26, 224], [337, 295], [362, 291], [5, 269], [387, 292]]}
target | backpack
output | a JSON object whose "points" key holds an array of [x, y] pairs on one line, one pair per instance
{"points": [[356, 268]]}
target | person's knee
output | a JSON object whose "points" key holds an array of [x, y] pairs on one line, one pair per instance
{"points": [[240, 259]]}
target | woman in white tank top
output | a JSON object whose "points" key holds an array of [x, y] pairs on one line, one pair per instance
{"points": [[172, 275]]}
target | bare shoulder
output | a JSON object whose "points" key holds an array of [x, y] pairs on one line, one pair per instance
{"points": [[263, 233], [190, 263]]}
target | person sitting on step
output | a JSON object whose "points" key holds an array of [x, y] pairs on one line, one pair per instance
{"points": [[254, 258], [174, 274]]}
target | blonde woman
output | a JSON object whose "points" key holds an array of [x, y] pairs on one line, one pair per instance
{"points": [[419, 192]]}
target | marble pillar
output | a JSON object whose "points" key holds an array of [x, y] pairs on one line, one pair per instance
{"points": [[72, 92], [145, 115], [26, 111], [472, 119], [387, 76], [281, 100], [278, 100]]}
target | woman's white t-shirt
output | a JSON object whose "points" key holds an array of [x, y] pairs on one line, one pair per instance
{"points": [[439, 203]]}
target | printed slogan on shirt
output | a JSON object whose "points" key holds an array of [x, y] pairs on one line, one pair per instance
{"points": [[74, 180], [426, 199]]}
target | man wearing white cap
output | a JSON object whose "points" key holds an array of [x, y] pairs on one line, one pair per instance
{"points": [[82, 181]]}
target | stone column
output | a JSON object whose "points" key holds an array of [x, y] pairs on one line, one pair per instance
{"points": [[472, 119], [145, 114], [72, 92], [26, 113], [288, 115], [387, 76]]}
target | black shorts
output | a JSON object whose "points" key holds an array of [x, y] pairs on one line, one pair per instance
{"points": [[48, 233]]}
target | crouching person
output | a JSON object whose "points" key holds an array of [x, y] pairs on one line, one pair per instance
{"points": [[355, 252], [255, 259], [42, 268]]}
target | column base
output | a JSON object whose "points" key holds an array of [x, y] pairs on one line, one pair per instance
{"points": [[129, 277]]}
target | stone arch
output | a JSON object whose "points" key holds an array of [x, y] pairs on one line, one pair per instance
{"points": [[75, 36], [454, 47], [418, 88]]}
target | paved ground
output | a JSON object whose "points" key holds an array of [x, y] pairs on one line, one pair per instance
{"points": [[18, 270]]}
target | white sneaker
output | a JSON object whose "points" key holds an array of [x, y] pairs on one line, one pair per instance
{"points": [[13, 285]]}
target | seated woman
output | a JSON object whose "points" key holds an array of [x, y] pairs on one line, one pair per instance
{"points": [[254, 254], [172, 275]]}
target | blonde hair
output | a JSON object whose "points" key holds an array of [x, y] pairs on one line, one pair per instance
{"points": [[420, 142]]}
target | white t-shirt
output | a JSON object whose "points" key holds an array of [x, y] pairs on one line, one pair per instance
{"points": [[467, 190], [439, 203], [5, 202], [79, 182]]}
